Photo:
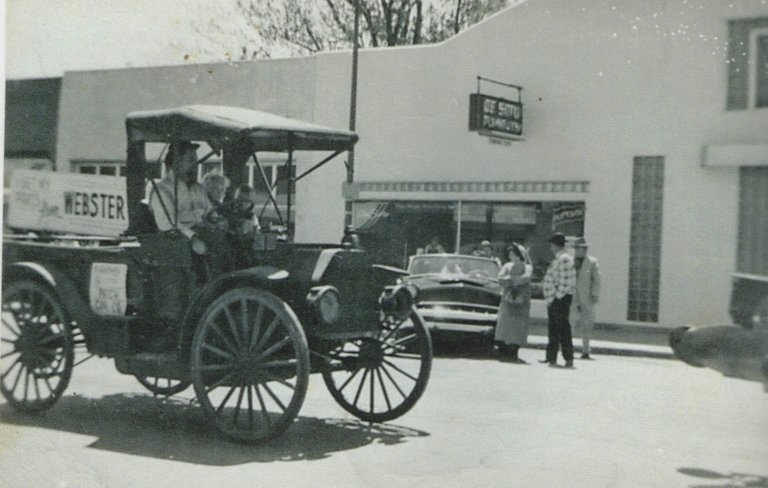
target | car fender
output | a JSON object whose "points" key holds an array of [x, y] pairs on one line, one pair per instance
{"points": [[265, 277]]}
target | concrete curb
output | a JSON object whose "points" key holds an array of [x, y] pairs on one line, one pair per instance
{"points": [[608, 348]]}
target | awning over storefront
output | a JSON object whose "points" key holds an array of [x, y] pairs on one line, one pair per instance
{"points": [[466, 190], [219, 125]]}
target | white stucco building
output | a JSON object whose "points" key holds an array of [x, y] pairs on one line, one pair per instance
{"points": [[645, 126]]}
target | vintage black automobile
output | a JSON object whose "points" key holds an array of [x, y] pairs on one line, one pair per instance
{"points": [[246, 328], [456, 293]]}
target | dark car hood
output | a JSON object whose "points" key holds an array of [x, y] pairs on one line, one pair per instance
{"points": [[457, 288]]}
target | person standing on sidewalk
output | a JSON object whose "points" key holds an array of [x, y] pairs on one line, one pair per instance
{"points": [[559, 284], [514, 310], [582, 315]]}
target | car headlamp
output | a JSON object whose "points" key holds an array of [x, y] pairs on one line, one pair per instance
{"points": [[398, 301], [324, 301]]}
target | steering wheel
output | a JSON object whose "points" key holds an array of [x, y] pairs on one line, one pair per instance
{"points": [[230, 210]]}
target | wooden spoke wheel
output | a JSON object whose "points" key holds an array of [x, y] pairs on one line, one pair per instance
{"points": [[162, 386], [250, 365], [380, 379], [36, 346]]}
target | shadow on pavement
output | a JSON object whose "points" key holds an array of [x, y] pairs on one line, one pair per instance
{"points": [[172, 429], [460, 347], [725, 480]]}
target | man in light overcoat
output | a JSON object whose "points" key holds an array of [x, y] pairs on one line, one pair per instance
{"points": [[582, 313]]}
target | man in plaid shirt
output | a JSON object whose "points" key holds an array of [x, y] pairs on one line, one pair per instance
{"points": [[559, 285]]}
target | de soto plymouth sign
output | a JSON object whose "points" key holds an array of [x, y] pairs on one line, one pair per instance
{"points": [[495, 116]]}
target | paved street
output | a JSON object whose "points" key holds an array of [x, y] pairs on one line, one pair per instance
{"points": [[613, 422]]}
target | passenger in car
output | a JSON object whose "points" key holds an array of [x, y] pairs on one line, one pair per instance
{"points": [[215, 187], [246, 194]]}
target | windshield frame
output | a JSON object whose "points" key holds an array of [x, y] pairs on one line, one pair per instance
{"points": [[453, 257]]}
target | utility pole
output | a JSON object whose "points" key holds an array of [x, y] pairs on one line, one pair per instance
{"points": [[352, 113]]}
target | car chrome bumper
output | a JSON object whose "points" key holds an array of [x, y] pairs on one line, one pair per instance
{"points": [[458, 320], [461, 328]]}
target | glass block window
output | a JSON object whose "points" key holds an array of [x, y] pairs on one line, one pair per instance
{"points": [[752, 254], [645, 239]]}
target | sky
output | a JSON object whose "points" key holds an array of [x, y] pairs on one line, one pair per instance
{"points": [[44, 38]]}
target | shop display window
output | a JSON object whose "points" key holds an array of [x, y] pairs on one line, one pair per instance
{"points": [[395, 230]]}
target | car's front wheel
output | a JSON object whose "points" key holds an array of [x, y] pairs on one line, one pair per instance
{"points": [[380, 378]]}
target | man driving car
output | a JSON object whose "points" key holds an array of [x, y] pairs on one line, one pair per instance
{"points": [[185, 194]]}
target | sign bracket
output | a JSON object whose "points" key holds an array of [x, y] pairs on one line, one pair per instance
{"points": [[518, 88]]}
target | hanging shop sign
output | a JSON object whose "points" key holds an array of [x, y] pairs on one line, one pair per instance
{"points": [[495, 115]]}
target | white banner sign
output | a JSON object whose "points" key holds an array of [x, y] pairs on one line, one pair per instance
{"points": [[68, 202], [521, 214], [107, 290]]}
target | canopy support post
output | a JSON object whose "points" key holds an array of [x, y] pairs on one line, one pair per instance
{"points": [[352, 111], [290, 186], [270, 190]]}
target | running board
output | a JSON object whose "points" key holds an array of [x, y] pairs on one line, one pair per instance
{"points": [[154, 364]]}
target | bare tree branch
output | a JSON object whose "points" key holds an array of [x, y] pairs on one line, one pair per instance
{"points": [[260, 28]]}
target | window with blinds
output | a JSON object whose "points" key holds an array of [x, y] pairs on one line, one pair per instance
{"points": [[645, 239]]}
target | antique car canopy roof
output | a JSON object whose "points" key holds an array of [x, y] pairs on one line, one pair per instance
{"points": [[219, 125]]}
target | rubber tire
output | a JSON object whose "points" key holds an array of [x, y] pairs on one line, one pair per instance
{"points": [[299, 342], [68, 355], [413, 397]]}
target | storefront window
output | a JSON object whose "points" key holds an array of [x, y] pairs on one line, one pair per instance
{"points": [[394, 230]]}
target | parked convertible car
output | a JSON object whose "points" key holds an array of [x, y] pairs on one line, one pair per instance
{"points": [[456, 293]]}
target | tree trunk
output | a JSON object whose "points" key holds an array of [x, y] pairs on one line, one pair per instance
{"points": [[417, 24], [457, 19]]}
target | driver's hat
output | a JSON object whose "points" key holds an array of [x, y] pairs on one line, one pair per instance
{"points": [[179, 148]]}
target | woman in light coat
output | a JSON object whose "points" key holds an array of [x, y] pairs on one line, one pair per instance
{"points": [[514, 309]]}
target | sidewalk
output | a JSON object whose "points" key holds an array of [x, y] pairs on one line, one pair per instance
{"points": [[609, 339]]}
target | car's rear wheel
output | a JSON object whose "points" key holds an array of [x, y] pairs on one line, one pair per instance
{"points": [[36, 346], [381, 378], [162, 386], [250, 365]]}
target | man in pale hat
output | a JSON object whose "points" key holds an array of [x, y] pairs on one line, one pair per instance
{"points": [[559, 283], [587, 293]]}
